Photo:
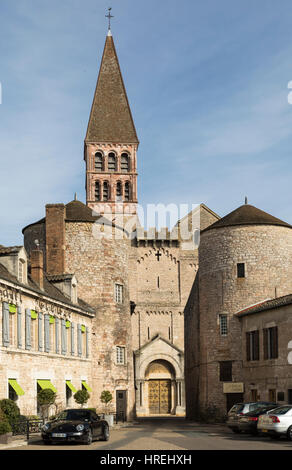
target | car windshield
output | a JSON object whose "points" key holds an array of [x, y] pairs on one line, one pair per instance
{"points": [[282, 410], [74, 415]]}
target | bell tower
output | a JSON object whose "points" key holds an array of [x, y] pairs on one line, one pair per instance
{"points": [[111, 143]]}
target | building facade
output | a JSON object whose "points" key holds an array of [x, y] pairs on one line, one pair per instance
{"points": [[45, 338], [136, 282], [244, 259]]}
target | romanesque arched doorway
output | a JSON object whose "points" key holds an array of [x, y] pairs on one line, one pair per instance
{"points": [[160, 377]]}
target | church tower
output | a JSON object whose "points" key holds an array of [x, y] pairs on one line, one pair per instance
{"points": [[111, 143]]}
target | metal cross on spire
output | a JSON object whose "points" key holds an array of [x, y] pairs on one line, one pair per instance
{"points": [[109, 16]]}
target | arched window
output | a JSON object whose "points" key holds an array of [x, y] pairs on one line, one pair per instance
{"points": [[105, 191], [98, 161], [112, 162], [127, 191], [97, 191], [119, 189], [125, 162]]}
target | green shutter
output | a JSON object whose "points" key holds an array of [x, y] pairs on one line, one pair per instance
{"points": [[33, 314], [12, 308]]}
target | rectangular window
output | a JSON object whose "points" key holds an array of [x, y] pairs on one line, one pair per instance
{"points": [[290, 396], [225, 371], [272, 395], [253, 394], [5, 324], [119, 293], [120, 354], [240, 270], [270, 336], [252, 346], [223, 325]]}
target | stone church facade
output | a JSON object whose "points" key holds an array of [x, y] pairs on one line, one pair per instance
{"points": [[132, 283]]}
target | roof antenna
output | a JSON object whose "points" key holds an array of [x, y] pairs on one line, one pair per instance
{"points": [[245, 200]]}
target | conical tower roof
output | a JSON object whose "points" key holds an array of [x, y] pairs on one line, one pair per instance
{"points": [[247, 215], [110, 118]]}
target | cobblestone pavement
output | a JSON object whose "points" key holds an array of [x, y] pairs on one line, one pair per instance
{"points": [[168, 434]]}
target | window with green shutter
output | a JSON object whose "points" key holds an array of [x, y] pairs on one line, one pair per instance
{"points": [[5, 324]]}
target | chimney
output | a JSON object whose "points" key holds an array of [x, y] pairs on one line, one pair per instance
{"points": [[37, 267], [55, 238]]}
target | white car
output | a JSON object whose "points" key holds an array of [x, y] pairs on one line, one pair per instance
{"points": [[277, 423]]}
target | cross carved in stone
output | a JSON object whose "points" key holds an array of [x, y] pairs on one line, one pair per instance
{"points": [[158, 254]]}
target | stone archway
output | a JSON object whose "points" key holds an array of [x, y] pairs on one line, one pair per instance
{"points": [[159, 379]]}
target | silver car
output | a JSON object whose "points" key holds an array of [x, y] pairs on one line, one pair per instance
{"points": [[277, 423], [240, 409]]}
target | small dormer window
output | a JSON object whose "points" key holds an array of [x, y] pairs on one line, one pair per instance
{"points": [[21, 273]]}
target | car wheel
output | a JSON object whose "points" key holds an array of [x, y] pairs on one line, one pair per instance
{"points": [[289, 433], [89, 438], [105, 434]]}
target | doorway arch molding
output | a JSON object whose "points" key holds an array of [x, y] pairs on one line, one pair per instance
{"points": [[165, 357]]}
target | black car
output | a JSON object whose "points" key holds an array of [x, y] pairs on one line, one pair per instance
{"points": [[75, 425], [248, 422]]}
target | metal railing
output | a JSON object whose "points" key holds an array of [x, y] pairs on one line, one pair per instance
{"points": [[25, 427]]}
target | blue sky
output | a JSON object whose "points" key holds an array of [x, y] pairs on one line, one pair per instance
{"points": [[207, 83]]}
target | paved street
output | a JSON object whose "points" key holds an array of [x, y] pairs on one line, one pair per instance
{"points": [[171, 434]]}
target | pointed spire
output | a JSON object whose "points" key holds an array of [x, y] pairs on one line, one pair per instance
{"points": [[110, 118]]}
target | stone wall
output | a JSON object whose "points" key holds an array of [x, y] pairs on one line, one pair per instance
{"points": [[99, 263], [266, 252]]}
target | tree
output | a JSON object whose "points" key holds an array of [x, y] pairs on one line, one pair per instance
{"points": [[81, 397], [106, 397], [46, 398], [10, 410], [5, 426]]}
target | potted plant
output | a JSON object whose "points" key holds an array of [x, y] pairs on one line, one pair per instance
{"points": [[46, 398], [81, 397], [106, 398]]}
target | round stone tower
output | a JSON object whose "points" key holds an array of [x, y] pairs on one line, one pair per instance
{"points": [[244, 258]]}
